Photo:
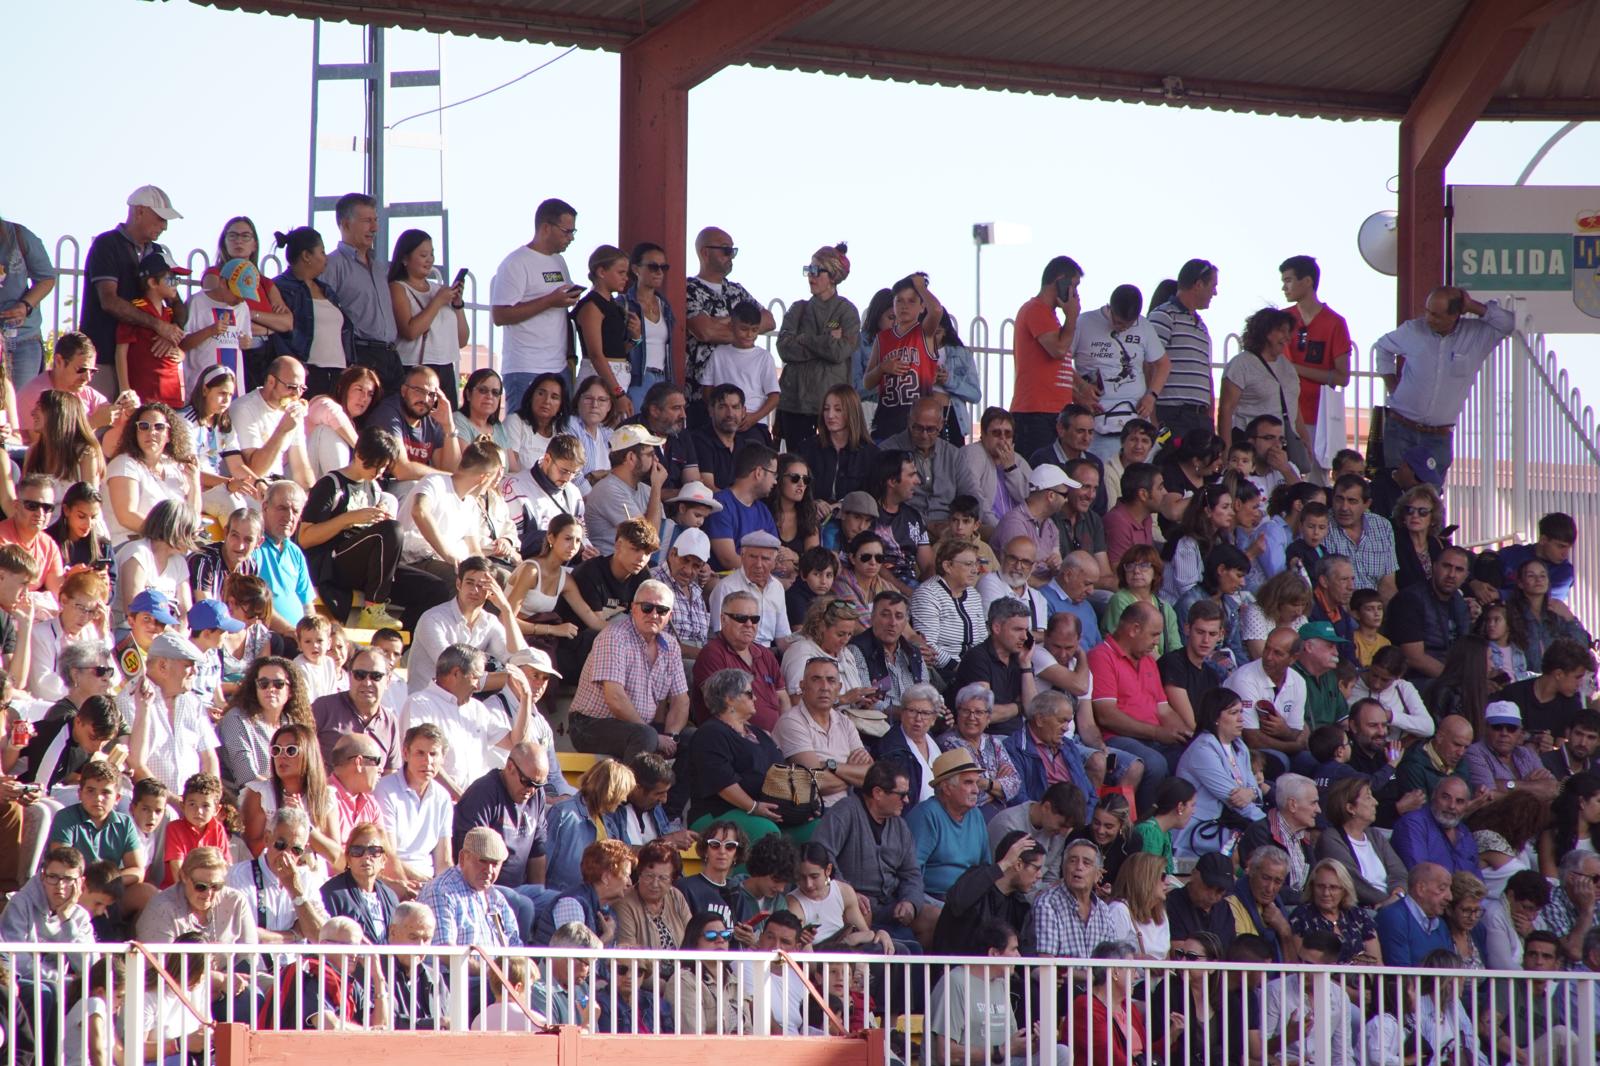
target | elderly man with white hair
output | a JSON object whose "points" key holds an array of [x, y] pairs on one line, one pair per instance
{"points": [[1018, 558], [281, 884], [279, 560], [758, 555], [1287, 826], [463, 900], [332, 991], [1570, 912], [1069, 593], [632, 695]]}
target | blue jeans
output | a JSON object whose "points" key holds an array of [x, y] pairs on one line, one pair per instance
{"points": [[1398, 439], [1156, 766], [24, 356], [526, 901], [1105, 446], [515, 385], [641, 385]]}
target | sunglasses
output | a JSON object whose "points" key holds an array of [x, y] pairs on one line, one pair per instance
{"points": [[718, 845], [870, 557], [731, 250], [103, 671], [298, 390], [1180, 955], [527, 782], [714, 935], [39, 505], [368, 675], [153, 427], [654, 608], [367, 760], [363, 851], [743, 619], [811, 270], [659, 267], [493, 394], [1416, 512], [285, 751], [273, 683], [283, 845], [798, 479], [205, 888]]}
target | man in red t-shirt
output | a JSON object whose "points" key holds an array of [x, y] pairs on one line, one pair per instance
{"points": [[1319, 347], [1042, 348], [1130, 703]]}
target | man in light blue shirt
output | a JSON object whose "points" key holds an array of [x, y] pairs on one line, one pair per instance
{"points": [[279, 560], [1429, 365]]}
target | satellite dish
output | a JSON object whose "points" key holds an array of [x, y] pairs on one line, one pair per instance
{"points": [[1379, 242]]}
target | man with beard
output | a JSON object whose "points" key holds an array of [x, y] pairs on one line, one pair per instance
{"points": [[1435, 834], [424, 422]]}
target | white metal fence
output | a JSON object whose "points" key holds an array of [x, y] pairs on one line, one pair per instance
{"points": [[1030, 1010]]}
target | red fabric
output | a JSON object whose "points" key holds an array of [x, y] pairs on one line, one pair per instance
{"points": [[1044, 383], [1136, 686], [45, 551], [1325, 341], [1101, 1038], [149, 375], [902, 390], [182, 838]]}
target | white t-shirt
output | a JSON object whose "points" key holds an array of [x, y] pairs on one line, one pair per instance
{"points": [[471, 729], [1368, 864], [454, 519], [437, 346], [655, 344], [167, 580], [226, 347], [327, 450], [254, 420], [150, 487], [1119, 357], [415, 823], [73, 1039], [538, 345], [751, 369]]}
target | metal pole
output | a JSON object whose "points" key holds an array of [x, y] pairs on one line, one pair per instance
{"points": [[311, 179], [1544, 150], [977, 280], [376, 87]]}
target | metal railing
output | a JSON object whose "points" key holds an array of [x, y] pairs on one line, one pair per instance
{"points": [[1038, 1010]]}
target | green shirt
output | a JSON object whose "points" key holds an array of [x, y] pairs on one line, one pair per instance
{"points": [[1325, 704], [105, 843], [1156, 840]]}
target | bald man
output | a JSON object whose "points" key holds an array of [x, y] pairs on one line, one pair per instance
{"points": [[938, 461], [708, 307], [1413, 925]]}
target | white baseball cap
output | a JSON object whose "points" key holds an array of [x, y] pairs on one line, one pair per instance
{"points": [[693, 542], [1048, 476], [155, 199], [632, 435]]}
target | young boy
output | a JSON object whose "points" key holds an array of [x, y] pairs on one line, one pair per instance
{"points": [[139, 369], [1306, 550], [18, 572], [148, 809], [689, 509], [818, 568], [503, 1015], [1367, 606], [96, 1013], [316, 665], [208, 620], [96, 828], [858, 513], [1242, 459], [743, 364], [199, 826], [222, 316], [966, 523]]}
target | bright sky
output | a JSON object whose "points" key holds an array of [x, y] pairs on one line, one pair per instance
{"points": [[784, 161]]}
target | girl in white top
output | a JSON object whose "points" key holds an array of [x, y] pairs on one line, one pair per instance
{"points": [[158, 559], [537, 583], [832, 907], [155, 461], [591, 424], [1139, 904], [432, 331]]}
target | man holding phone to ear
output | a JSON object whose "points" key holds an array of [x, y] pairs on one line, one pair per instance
{"points": [[1043, 353]]}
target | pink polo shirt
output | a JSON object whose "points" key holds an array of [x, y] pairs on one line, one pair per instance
{"points": [[1136, 686], [44, 549]]}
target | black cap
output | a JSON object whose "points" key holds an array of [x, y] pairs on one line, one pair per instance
{"points": [[158, 263], [1216, 870]]}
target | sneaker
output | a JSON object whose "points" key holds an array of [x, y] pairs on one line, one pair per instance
{"points": [[377, 616]]}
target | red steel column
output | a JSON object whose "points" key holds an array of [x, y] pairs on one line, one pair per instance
{"points": [[658, 70], [1465, 74]]}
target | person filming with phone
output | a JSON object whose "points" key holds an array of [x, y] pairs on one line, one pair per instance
{"points": [[427, 313]]}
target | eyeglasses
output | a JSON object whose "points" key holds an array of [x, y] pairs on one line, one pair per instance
{"points": [[917, 712], [714, 935], [798, 479], [39, 505], [285, 751], [869, 557], [240, 235], [59, 879], [573, 232], [1140, 566], [153, 427], [527, 782], [661, 609], [205, 888], [368, 675], [273, 683], [362, 851], [742, 619], [655, 879], [660, 268], [717, 845], [730, 250], [811, 270], [1020, 560], [918, 428], [1178, 954], [1416, 512], [283, 845], [296, 389]]}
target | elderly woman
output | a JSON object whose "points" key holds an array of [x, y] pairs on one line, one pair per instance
{"points": [[1000, 783], [1106, 1024], [1378, 873], [908, 744], [574, 823], [358, 893], [728, 758], [271, 694], [154, 462], [1332, 908], [653, 914], [815, 342], [83, 668], [829, 626], [607, 876], [200, 902], [1418, 522], [1139, 574], [948, 610], [1464, 918], [1218, 764]]}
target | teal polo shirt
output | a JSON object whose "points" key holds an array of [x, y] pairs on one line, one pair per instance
{"points": [[110, 842], [283, 567]]}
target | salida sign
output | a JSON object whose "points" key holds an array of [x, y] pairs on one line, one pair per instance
{"points": [[1540, 244]]}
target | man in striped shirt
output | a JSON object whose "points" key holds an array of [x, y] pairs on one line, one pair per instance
{"points": [[1186, 400]]}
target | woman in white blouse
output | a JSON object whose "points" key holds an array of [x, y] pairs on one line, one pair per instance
{"points": [[427, 313], [155, 461], [158, 558]]}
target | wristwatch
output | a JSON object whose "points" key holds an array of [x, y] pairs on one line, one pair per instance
{"points": [[830, 765], [300, 901], [618, 392]]}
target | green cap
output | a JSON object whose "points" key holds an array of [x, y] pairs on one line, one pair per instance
{"points": [[1321, 631]]}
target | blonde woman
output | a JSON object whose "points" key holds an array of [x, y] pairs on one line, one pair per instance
{"points": [[581, 820], [1139, 904], [1332, 908], [1282, 600]]}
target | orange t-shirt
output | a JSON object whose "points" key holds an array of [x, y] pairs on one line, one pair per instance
{"points": [[1044, 383], [1320, 344]]}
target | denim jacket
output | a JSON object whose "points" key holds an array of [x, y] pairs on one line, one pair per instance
{"points": [[297, 342], [668, 316], [964, 385]]}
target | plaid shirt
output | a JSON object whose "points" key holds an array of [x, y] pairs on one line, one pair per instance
{"points": [[1374, 558], [619, 656], [1059, 932], [466, 916], [691, 621], [1559, 915]]}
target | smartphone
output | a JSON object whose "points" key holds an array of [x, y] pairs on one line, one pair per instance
{"points": [[574, 289], [756, 919], [461, 276]]}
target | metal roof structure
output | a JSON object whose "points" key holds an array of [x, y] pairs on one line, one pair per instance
{"points": [[1337, 58]]}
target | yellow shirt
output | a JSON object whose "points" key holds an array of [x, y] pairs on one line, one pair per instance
{"points": [[1366, 647]]}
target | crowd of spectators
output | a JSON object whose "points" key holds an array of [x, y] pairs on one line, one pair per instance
{"points": [[1125, 670]]}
